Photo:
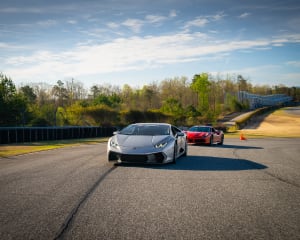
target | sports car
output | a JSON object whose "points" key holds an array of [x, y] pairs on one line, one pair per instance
{"points": [[204, 134], [147, 143]]}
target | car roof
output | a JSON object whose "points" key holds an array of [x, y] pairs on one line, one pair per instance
{"points": [[202, 126], [165, 124]]}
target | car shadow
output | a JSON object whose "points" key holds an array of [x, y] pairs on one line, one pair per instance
{"points": [[237, 146], [204, 163]]}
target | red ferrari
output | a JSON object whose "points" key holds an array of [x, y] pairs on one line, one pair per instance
{"points": [[204, 134]]}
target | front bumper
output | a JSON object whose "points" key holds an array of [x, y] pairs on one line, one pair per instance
{"points": [[204, 140], [151, 158]]}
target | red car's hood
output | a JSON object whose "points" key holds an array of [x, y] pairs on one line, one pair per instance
{"points": [[197, 134]]}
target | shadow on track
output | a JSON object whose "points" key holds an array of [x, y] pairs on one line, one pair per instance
{"points": [[198, 163], [237, 146]]}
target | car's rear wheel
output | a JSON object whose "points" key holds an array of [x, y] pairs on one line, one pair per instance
{"points": [[222, 140]]}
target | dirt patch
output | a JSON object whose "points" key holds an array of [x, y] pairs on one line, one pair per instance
{"points": [[280, 123]]}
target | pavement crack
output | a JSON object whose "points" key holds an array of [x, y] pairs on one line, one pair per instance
{"points": [[68, 221]]}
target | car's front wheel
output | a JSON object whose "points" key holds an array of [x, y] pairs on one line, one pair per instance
{"points": [[174, 154], [211, 140], [185, 150]]}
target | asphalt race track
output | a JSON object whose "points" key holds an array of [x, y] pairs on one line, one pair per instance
{"points": [[241, 190]]}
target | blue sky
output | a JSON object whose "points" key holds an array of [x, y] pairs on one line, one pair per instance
{"points": [[138, 42]]}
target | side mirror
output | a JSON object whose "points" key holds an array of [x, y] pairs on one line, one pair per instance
{"points": [[179, 134]]}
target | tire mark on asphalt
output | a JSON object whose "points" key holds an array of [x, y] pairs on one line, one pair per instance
{"points": [[235, 154], [67, 223], [281, 179]]}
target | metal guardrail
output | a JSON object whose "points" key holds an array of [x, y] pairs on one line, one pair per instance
{"points": [[34, 134]]}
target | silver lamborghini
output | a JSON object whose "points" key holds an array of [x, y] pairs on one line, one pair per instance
{"points": [[147, 143]]}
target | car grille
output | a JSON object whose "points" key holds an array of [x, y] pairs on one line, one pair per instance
{"points": [[196, 140], [152, 158], [133, 158]]}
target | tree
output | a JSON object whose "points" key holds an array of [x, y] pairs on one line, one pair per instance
{"points": [[149, 96], [28, 93], [95, 91], [60, 93], [243, 84], [200, 84], [12, 104], [75, 91], [177, 88], [130, 98], [110, 101], [172, 106]]}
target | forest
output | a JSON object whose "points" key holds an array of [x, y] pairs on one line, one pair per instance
{"points": [[180, 101]]}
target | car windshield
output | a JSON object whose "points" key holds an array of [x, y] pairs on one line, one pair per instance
{"points": [[148, 130], [199, 129]]}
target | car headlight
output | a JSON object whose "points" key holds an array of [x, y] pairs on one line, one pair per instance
{"points": [[113, 143], [161, 145]]}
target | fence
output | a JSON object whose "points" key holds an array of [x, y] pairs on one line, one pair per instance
{"points": [[34, 134]]}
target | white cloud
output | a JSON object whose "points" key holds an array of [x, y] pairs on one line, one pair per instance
{"points": [[47, 23], [244, 15], [73, 22], [21, 10], [123, 54], [204, 20], [198, 22], [154, 18], [290, 79], [5, 45], [294, 64], [112, 25], [218, 16], [134, 24], [173, 14]]}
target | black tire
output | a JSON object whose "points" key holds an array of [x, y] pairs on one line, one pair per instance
{"points": [[222, 140], [211, 140], [185, 151], [174, 155]]}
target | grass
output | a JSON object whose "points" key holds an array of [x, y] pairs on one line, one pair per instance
{"points": [[23, 148], [277, 124]]}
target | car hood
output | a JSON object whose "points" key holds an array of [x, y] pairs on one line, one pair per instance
{"points": [[198, 134], [139, 141]]}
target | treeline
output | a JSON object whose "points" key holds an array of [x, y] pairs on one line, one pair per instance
{"points": [[203, 99]]}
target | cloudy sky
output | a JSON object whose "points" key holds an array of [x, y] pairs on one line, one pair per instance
{"points": [[138, 42]]}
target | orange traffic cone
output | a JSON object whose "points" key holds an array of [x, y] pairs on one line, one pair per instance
{"points": [[242, 137]]}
